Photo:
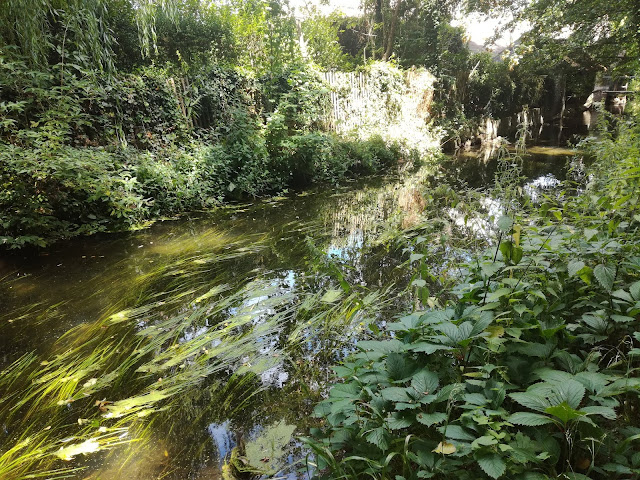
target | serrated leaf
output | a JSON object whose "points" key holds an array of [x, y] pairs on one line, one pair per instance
{"points": [[430, 419], [428, 348], [498, 294], [574, 267], [492, 464], [564, 412], [456, 432], [505, 223], [606, 412], [398, 366], [345, 390], [378, 437], [570, 391], [605, 275], [529, 419], [395, 394], [531, 400], [382, 346], [397, 422], [622, 318], [484, 441], [425, 382], [449, 392], [634, 289]]}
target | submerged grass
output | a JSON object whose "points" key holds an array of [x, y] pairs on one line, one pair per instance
{"points": [[105, 381], [192, 332]]}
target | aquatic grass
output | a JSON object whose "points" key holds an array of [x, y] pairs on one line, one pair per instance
{"points": [[182, 333], [168, 348]]}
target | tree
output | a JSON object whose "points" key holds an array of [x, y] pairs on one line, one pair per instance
{"points": [[589, 34]]}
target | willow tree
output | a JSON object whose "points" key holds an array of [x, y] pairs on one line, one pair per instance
{"points": [[45, 31]]}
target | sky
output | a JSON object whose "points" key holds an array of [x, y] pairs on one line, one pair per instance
{"points": [[479, 27]]}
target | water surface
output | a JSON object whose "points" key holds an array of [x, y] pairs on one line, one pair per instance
{"points": [[166, 352]]}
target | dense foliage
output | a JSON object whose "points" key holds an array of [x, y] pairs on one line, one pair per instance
{"points": [[83, 152], [528, 367]]}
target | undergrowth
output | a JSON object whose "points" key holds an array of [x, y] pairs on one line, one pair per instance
{"points": [[526, 368]]}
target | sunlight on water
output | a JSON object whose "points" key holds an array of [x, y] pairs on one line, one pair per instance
{"points": [[196, 348]]}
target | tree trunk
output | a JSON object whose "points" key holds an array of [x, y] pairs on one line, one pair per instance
{"points": [[392, 33]]}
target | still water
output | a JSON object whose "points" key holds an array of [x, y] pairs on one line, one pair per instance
{"points": [[196, 348]]}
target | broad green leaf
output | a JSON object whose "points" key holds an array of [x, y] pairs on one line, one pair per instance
{"points": [[569, 391], [425, 382], [449, 391], [498, 294], [622, 318], [520, 308], [531, 400], [481, 323], [397, 422], [605, 275], [428, 348], [398, 366], [634, 289], [594, 381], [382, 346], [484, 441], [574, 267], [425, 474], [395, 394], [606, 412], [378, 437], [345, 390], [529, 419], [456, 432], [430, 419], [492, 464], [505, 223], [623, 295], [564, 412]]}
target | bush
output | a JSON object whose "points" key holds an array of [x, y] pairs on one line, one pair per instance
{"points": [[530, 369]]}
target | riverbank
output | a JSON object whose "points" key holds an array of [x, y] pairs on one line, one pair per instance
{"points": [[524, 362], [56, 193], [219, 329]]}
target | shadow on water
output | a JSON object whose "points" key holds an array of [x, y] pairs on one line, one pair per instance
{"points": [[197, 348]]}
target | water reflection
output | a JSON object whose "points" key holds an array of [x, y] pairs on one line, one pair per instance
{"points": [[215, 333]]}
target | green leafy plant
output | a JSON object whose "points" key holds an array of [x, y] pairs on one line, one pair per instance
{"points": [[529, 370]]}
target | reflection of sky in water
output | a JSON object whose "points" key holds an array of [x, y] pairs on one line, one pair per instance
{"points": [[222, 438], [274, 377], [536, 186], [349, 249]]}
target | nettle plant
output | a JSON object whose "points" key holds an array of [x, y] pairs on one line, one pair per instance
{"points": [[530, 373]]}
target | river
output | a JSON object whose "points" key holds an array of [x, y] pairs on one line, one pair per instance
{"points": [[162, 353]]}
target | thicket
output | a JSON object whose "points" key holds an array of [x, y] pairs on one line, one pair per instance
{"points": [[84, 152], [527, 368]]}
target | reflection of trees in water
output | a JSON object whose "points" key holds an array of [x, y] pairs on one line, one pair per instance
{"points": [[371, 212]]}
